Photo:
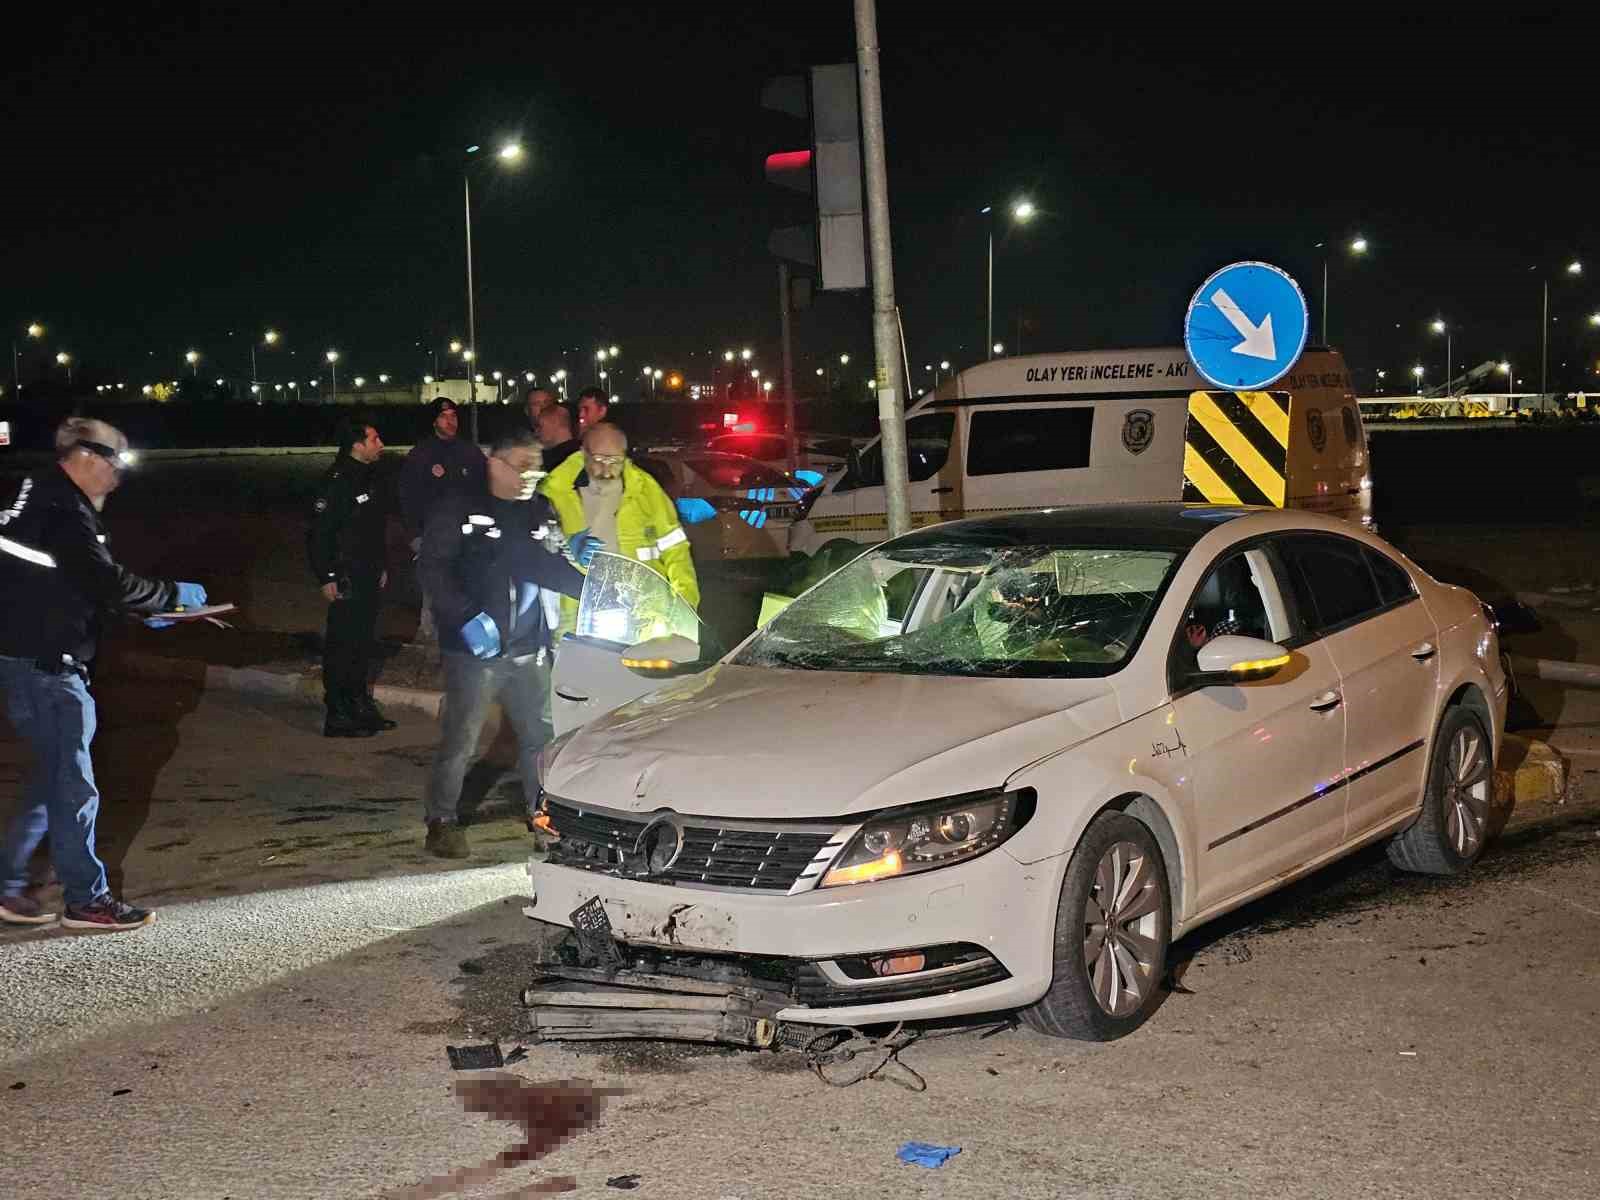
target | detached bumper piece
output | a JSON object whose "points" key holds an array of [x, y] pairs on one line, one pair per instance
{"points": [[589, 1004]]}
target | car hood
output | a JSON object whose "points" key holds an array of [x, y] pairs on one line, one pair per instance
{"points": [[738, 741]]}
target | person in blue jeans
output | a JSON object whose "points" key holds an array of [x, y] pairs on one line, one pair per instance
{"points": [[57, 580]]}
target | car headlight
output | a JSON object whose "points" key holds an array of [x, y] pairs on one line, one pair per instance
{"points": [[922, 837]]}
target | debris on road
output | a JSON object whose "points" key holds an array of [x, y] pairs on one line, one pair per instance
{"points": [[925, 1154], [624, 1182], [475, 1058], [586, 1003]]}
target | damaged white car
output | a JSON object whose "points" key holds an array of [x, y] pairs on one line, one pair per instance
{"points": [[1004, 763]]}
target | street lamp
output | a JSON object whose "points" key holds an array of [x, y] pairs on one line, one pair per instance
{"points": [[65, 360], [1416, 372], [383, 379], [1356, 247], [998, 349], [192, 357], [270, 337], [1573, 268], [359, 381], [1022, 211], [34, 331], [1439, 326], [333, 365], [509, 153], [745, 354]]}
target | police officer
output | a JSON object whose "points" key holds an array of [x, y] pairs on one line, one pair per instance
{"points": [[346, 547], [495, 577], [57, 578]]}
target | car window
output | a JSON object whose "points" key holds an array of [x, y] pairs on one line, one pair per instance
{"points": [[733, 474], [927, 449], [1332, 583], [1029, 439], [1232, 599], [1394, 582]]}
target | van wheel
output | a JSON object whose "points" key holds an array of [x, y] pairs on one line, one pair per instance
{"points": [[1449, 833], [1112, 926]]}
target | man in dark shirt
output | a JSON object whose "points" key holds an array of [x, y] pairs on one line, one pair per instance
{"points": [[57, 578], [437, 468], [555, 436], [345, 544]]}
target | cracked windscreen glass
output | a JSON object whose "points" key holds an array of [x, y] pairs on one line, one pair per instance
{"points": [[1031, 610], [625, 602]]}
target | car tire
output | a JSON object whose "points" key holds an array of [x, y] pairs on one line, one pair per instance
{"points": [[1448, 834], [1103, 987]]}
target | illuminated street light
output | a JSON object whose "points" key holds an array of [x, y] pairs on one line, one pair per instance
{"points": [[333, 356], [477, 379], [872, 385], [1439, 326], [360, 381], [427, 379], [727, 356], [455, 346], [844, 360], [510, 152], [146, 390], [1356, 246], [999, 348], [615, 352], [944, 364], [1022, 211], [383, 379], [767, 386], [467, 355], [36, 330], [819, 370], [1574, 268], [1594, 318], [530, 376], [656, 374], [745, 354], [192, 357], [270, 337], [498, 376], [220, 382]]}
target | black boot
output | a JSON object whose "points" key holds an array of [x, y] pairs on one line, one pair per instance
{"points": [[345, 720], [368, 712]]}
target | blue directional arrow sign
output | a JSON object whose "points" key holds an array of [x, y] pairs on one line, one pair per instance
{"points": [[1246, 326]]}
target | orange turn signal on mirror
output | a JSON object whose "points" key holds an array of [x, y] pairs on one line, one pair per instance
{"points": [[1256, 665], [649, 664], [878, 868]]}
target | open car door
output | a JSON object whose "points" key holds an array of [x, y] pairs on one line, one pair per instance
{"points": [[623, 604]]}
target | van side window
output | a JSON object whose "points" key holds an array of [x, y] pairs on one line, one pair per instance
{"points": [[927, 449], [1029, 439], [1333, 585], [1352, 431]]}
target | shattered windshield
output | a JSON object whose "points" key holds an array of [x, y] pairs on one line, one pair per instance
{"points": [[624, 601], [1039, 610]]}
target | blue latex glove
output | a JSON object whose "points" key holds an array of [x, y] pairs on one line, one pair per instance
{"points": [[584, 547], [925, 1154], [191, 595], [482, 636], [693, 510], [158, 623]]}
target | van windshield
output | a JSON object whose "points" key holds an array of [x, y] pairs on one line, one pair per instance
{"points": [[959, 609], [927, 447]]}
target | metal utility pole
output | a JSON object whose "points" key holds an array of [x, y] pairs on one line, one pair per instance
{"points": [[472, 318], [793, 447], [886, 347], [1544, 342]]}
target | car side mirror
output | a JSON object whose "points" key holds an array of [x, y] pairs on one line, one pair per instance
{"points": [[1234, 659], [662, 657]]}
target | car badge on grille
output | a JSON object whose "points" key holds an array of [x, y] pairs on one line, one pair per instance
{"points": [[658, 845]]}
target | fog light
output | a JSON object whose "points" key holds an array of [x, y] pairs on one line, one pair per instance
{"points": [[898, 964]]}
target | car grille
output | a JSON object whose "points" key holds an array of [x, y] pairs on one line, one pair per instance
{"points": [[761, 856]]}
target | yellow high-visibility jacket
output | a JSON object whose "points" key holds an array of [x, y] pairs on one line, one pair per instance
{"points": [[647, 527]]}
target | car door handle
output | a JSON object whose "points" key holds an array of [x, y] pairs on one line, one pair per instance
{"points": [[1424, 652], [1326, 701], [939, 491], [576, 699]]}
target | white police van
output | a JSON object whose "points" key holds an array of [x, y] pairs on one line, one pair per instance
{"points": [[1102, 426]]}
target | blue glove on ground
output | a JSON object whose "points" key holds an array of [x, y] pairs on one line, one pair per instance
{"points": [[158, 623], [584, 547], [191, 595], [482, 636], [925, 1154], [692, 510]]}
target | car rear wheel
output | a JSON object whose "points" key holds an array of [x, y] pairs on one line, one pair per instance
{"points": [[1449, 833], [1112, 926]]}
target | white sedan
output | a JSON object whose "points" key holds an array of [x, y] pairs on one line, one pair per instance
{"points": [[1003, 763]]}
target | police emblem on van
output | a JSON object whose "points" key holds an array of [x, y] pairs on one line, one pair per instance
{"points": [[1316, 430], [1138, 430]]}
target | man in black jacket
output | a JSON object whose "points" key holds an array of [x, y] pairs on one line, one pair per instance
{"points": [[57, 578], [345, 543], [493, 578], [437, 467]]}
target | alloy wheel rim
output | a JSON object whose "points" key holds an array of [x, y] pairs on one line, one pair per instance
{"points": [[1466, 792], [1122, 937]]}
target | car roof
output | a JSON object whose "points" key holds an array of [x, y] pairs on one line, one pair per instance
{"points": [[1166, 526]]}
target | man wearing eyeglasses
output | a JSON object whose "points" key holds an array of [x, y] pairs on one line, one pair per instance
{"points": [[603, 494], [57, 579]]}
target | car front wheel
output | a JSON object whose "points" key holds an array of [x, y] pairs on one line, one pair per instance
{"points": [[1449, 833], [1112, 927]]}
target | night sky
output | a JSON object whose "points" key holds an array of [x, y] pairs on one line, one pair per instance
{"points": [[177, 179]]}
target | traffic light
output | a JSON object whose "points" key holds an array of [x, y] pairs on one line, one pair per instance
{"points": [[829, 171]]}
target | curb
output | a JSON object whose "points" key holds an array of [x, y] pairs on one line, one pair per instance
{"points": [[1530, 772], [305, 688]]}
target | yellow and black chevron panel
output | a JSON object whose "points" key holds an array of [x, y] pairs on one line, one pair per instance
{"points": [[1236, 448]]}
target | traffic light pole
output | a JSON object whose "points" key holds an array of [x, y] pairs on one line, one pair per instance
{"points": [[792, 449], [886, 348]]}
